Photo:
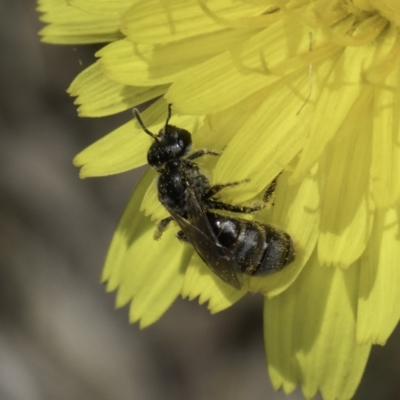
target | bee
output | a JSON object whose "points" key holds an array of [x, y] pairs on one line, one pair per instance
{"points": [[229, 246], [233, 246]]}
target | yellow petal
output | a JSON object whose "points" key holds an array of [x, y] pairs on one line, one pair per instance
{"points": [[296, 212], [128, 63], [70, 25], [99, 96], [268, 141], [379, 298], [155, 21], [128, 229], [104, 7], [147, 272], [239, 72], [310, 334], [219, 128], [144, 64], [126, 147], [347, 212], [201, 281], [121, 150], [153, 275], [385, 170], [338, 93]]}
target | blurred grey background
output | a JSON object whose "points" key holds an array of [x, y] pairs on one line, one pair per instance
{"points": [[60, 336]]}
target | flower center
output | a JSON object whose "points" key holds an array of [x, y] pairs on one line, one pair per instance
{"points": [[363, 5], [388, 9]]}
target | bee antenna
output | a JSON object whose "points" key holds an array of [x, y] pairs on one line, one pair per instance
{"points": [[169, 115], [136, 113]]}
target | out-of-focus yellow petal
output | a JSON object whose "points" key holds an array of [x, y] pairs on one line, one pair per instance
{"points": [[153, 274], [310, 333], [385, 169], [134, 264], [160, 64], [99, 96], [155, 21], [379, 295], [201, 282], [70, 25], [104, 7], [128, 229], [295, 211], [347, 211]]}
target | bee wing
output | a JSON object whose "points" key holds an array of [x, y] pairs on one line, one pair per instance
{"points": [[199, 233]]}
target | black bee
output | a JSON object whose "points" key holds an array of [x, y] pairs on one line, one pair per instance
{"points": [[229, 246]]}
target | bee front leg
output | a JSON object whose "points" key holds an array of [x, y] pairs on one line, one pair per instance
{"points": [[161, 227], [203, 152]]}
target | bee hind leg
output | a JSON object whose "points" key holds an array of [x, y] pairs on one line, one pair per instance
{"points": [[246, 209], [161, 227], [270, 191], [213, 190]]}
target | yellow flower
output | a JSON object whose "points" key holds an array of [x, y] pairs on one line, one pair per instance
{"points": [[310, 88]]}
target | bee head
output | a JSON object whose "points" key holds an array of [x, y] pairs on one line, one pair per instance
{"points": [[170, 143]]}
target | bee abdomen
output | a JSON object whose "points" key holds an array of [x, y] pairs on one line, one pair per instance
{"points": [[279, 251], [250, 246]]}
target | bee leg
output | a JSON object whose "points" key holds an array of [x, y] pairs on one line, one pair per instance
{"points": [[161, 227], [269, 192], [219, 205], [213, 190], [203, 152], [181, 237]]}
